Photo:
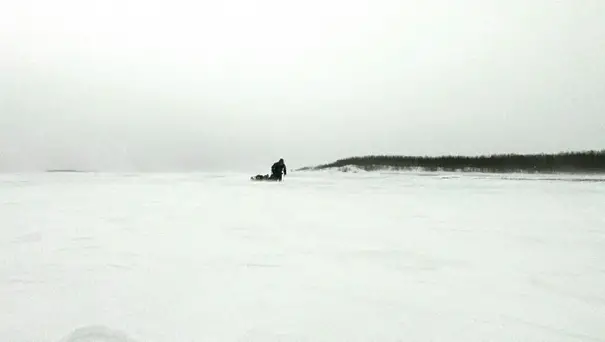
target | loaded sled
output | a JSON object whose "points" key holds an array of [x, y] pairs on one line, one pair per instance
{"points": [[264, 178]]}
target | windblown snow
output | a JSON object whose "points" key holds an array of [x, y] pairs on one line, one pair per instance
{"points": [[322, 256]]}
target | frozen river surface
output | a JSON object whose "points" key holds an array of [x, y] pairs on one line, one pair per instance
{"points": [[323, 256]]}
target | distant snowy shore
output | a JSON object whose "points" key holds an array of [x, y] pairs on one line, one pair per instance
{"points": [[467, 172]]}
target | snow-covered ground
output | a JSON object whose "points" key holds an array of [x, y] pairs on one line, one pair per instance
{"points": [[323, 256]]}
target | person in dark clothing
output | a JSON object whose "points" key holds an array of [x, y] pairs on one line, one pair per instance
{"points": [[278, 170]]}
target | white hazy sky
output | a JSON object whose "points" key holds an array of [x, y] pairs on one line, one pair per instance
{"points": [[237, 84]]}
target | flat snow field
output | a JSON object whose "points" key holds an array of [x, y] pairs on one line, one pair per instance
{"points": [[322, 256]]}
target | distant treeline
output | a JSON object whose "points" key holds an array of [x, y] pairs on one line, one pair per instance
{"points": [[587, 161], [65, 171]]}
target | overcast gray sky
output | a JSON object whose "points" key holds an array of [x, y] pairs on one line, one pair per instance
{"points": [[236, 84]]}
